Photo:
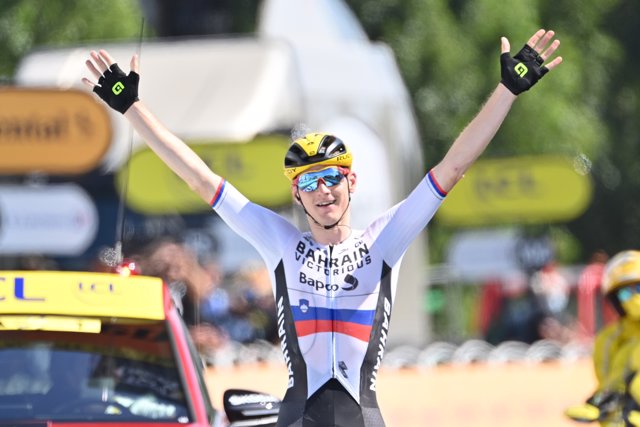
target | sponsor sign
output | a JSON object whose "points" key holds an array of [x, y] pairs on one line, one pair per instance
{"points": [[51, 131], [523, 190], [52, 220], [81, 294], [255, 168]]}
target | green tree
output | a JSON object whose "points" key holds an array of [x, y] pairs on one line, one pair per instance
{"points": [[29, 24], [448, 54], [612, 221]]}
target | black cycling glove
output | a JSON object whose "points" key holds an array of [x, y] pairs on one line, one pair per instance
{"points": [[522, 71], [117, 89]]}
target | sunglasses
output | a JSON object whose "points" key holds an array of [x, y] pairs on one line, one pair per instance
{"points": [[309, 181], [627, 292]]}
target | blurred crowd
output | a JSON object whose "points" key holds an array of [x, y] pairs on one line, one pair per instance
{"points": [[217, 308], [546, 304], [222, 308]]}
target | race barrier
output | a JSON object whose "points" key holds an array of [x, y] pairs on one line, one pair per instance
{"points": [[518, 394]]}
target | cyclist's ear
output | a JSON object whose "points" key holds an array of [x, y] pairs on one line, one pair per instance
{"points": [[295, 195], [353, 181]]}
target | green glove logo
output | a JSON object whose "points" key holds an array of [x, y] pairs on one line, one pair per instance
{"points": [[521, 69], [119, 87]]}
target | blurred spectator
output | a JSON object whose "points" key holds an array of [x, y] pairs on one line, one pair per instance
{"points": [[519, 316], [553, 289], [490, 303], [225, 309], [590, 300], [191, 285], [215, 305], [254, 300]]}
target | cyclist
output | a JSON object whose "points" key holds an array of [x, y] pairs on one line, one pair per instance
{"points": [[616, 357], [334, 286]]}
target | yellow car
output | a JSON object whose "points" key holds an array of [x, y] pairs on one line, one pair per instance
{"points": [[91, 348]]}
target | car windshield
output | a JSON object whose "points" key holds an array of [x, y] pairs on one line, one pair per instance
{"points": [[124, 372]]}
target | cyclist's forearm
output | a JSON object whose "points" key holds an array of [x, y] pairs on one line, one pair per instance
{"points": [[474, 138], [174, 152]]}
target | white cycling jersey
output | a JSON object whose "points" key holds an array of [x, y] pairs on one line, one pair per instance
{"points": [[333, 301]]}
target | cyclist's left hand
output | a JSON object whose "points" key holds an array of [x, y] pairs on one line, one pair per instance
{"points": [[521, 72]]}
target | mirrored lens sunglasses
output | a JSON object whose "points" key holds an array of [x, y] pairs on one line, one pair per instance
{"points": [[627, 292], [308, 182]]}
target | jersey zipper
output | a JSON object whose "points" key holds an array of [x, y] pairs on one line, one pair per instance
{"points": [[332, 304]]}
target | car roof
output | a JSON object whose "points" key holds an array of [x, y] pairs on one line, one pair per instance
{"points": [[84, 294]]}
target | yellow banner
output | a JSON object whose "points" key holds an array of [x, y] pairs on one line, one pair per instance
{"points": [[535, 189], [51, 131], [81, 294], [255, 168]]}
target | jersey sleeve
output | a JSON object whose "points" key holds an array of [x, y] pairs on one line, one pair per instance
{"points": [[265, 230], [395, 229]]}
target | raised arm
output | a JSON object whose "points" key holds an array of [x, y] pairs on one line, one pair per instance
{"points": [[519, 74], [120, 92]]}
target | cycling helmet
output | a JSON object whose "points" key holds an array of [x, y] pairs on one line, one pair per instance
{"points": [[315, 149], [621, 271]]}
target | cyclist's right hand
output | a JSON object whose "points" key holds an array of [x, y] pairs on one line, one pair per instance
{"points": [[116, 88]]}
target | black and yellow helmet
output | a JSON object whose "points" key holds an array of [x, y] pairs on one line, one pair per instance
{"points": [[621, 270], [315, 149]]}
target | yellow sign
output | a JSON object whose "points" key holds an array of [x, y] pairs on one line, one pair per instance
{"points": [[51, 131], [536, 189], [81, 294], [254, 168]]}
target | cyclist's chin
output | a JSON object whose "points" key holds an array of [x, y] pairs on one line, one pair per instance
{"points": [[329, 213]]}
